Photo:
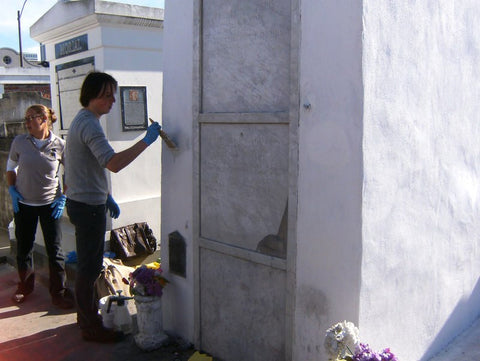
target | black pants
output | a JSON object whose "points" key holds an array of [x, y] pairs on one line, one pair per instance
{"points": [[90, 224], [26, 220]]}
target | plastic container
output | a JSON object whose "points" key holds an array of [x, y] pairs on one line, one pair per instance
{"points": [[115, 314]]}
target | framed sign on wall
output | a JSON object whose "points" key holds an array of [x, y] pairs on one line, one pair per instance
{"points": [[70, 77], [134, 107]]}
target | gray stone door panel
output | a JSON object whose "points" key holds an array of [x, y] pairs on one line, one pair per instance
{"points": [[242, 178], [243, 308], [245, 55], [244, 182]]}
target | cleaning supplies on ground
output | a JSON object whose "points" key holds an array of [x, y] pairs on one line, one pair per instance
{"points": [[114, 276], [115, 314]]}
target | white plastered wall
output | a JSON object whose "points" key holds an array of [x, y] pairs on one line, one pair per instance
{"points": [[177, 166], [328, 264], [421, 207]]}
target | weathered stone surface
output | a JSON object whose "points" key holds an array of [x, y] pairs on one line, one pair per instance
{"points": [[243, 308], [244, 181]]}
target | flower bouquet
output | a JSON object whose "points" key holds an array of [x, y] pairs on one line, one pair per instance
{"points": [[340, 340], [147, 280], [342, 343]]}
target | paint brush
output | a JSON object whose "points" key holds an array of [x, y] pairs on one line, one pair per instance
{"points": [[170, 143]]}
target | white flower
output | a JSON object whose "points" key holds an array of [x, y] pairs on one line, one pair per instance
{"points": [[341, 339]]}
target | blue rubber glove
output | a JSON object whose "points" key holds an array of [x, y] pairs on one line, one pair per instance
{"points": [[16, 196], [58, 205], [113, 207], [71, 257], [153, 131]]}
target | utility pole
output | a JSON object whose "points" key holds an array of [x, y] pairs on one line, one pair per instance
{"points": [[19, 15]]}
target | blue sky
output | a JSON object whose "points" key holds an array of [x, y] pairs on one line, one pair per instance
{"points": [[33, 10]]}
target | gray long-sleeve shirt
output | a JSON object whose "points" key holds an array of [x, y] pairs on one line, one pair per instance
{"points": [[86, 156]]}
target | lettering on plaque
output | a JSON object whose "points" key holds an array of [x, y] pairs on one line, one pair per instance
{"points": [[71, 46]]}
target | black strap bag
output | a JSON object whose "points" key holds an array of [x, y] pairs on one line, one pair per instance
{"points": [[132, 241]]}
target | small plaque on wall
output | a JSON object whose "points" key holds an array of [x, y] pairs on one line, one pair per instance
{"points": [[134, 107], [177, 254]]}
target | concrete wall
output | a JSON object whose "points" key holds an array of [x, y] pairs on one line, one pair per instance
{"points": [[387, 229], [329, 228], [126, 42], [421, 207], [177, 167]]}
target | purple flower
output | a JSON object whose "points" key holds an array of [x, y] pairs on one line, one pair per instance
{"points": [[365, 353], [147, 281], [387, 355]]}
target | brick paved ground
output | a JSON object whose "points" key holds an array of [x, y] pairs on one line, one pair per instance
{"points": [[37, 330]]}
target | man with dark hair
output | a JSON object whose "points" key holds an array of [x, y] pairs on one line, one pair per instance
{"points": [[88, 154]]}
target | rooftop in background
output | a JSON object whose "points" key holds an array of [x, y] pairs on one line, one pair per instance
{"points": [[10, 58], [32, 77]]}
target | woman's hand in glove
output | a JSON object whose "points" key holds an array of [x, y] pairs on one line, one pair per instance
{"points": [[16, 197], [58, 206]]}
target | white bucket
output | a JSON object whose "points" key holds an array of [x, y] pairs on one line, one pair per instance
{"points": [[107, 317]]}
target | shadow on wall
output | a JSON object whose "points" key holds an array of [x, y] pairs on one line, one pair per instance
{"points": [[276, 244], [461, 318]]}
